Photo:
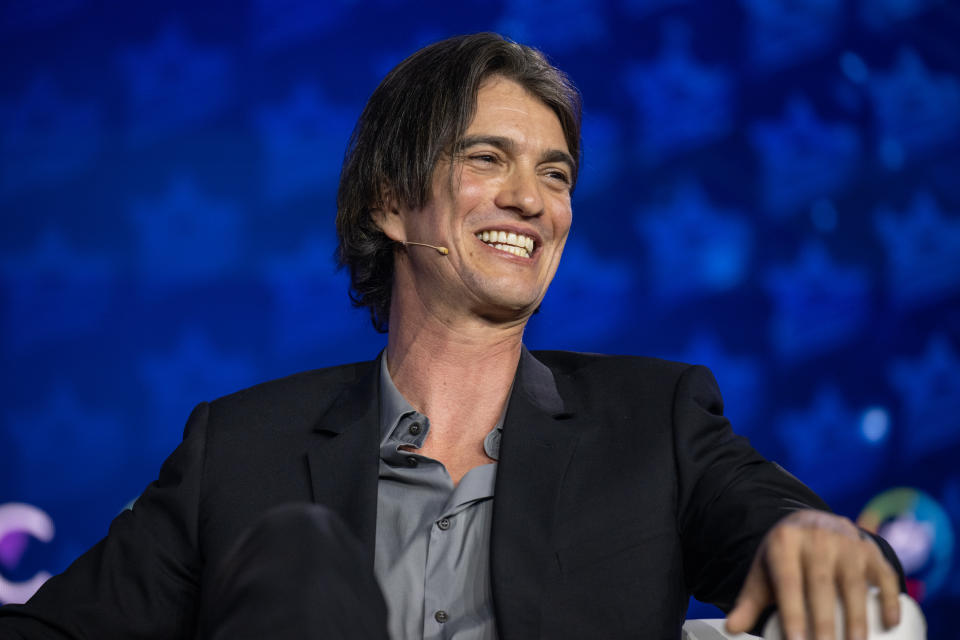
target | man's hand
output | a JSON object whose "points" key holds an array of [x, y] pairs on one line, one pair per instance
{"points": [[804, 562]]}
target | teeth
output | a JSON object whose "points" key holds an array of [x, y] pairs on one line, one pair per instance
{"points": [[517, 251], [510, 242]]}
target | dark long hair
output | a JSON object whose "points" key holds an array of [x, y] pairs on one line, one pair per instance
{"points": [[416, 114]]}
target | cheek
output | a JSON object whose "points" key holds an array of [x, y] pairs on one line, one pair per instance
{"points": [[556, 260], [471, 193], [562, 221], [561, 231]]}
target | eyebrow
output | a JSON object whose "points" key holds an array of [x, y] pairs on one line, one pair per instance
{"points": [[507, 145]]}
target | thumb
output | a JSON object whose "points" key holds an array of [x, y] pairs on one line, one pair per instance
{"points": [[754, 597]]}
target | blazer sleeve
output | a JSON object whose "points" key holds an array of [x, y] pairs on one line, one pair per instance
{"points": [[142, 579], [729, 495]]}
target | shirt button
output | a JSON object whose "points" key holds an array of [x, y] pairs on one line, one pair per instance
{"points": [[441, 616], [414, 429], [444, 523], [411, 461]]}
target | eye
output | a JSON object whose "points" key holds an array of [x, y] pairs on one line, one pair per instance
{"points": [[486, 158], [558, 175]]}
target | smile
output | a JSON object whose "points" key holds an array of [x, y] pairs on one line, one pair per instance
{"points": [[509, 242]]}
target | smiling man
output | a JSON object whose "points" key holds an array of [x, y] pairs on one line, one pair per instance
{"points": [[460, 486], [501, 200]]}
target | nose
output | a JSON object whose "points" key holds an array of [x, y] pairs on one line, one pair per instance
{"points": [[520, 192]]}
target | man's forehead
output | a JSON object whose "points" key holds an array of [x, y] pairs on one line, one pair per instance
{"points": [[495, 91], [503, 102]]}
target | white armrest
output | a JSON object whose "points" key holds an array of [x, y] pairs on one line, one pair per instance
{"points": [[710, 629], [913, 626]]}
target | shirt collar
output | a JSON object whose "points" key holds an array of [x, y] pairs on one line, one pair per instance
{"points": [[394, 408]]}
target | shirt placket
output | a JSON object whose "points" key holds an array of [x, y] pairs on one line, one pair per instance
{"points": [[439, 610], [437, 607]]}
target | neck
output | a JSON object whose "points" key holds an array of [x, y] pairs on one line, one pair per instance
{"points": [[453, 373]]}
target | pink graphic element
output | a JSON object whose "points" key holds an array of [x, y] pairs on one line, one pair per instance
{"points": [[912, 539], [11, 548], [916, 589], [18, 522]]}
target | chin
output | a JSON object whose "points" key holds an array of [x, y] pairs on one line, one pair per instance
{"points": [[503, 310], [507, 298]]}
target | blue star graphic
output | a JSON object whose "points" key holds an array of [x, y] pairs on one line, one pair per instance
{"points": [[882, 14], [695, 248], [279, 24], [54, 291], [825, 443], [783, 32], [818, 305], [204, 234], [310, 311], [916, 109], [922, 246], [176, 379], [172, 84], [929, 390], [682, 104], [46, 137], [79, 432], [304, 140], [558, 25], [802, 157]]}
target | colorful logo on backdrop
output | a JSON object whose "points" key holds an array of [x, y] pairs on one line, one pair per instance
{"points": [[918, 529], [18, 524]]}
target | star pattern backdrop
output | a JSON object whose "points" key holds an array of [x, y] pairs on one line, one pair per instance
{"points": [[769, 187]]}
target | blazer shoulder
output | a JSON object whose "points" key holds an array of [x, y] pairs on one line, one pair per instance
{"points": [[308, 393], [630, 379], [574, 362]]}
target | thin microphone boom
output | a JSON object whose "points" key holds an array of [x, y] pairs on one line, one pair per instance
{"points": [[441, 250]]}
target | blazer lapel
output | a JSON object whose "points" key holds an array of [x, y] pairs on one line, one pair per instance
{"points": [[538, 444], [343, 461]]}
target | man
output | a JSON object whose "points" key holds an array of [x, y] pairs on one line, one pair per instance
{"points": [[490, 491]]}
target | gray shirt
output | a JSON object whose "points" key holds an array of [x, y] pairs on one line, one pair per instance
{"points": [[433, 539]]}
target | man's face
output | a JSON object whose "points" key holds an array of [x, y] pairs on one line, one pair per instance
{"points": [[501, 204]]}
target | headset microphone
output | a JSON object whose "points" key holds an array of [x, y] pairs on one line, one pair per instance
{"points": [[441, 250]]}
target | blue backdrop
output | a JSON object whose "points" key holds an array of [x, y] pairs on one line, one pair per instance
{"points": [[769, 187]]}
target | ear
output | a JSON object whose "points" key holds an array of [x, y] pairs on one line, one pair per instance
{"points": [[386, 214]]}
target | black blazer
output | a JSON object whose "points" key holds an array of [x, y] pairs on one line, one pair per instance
{"points": [[620, 490]]}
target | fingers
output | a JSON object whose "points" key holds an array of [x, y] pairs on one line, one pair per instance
{"points": [[821, 570], [853, 592], [775, 576], [785, 565], [754, 597], [804, 564], [880, 573]]}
